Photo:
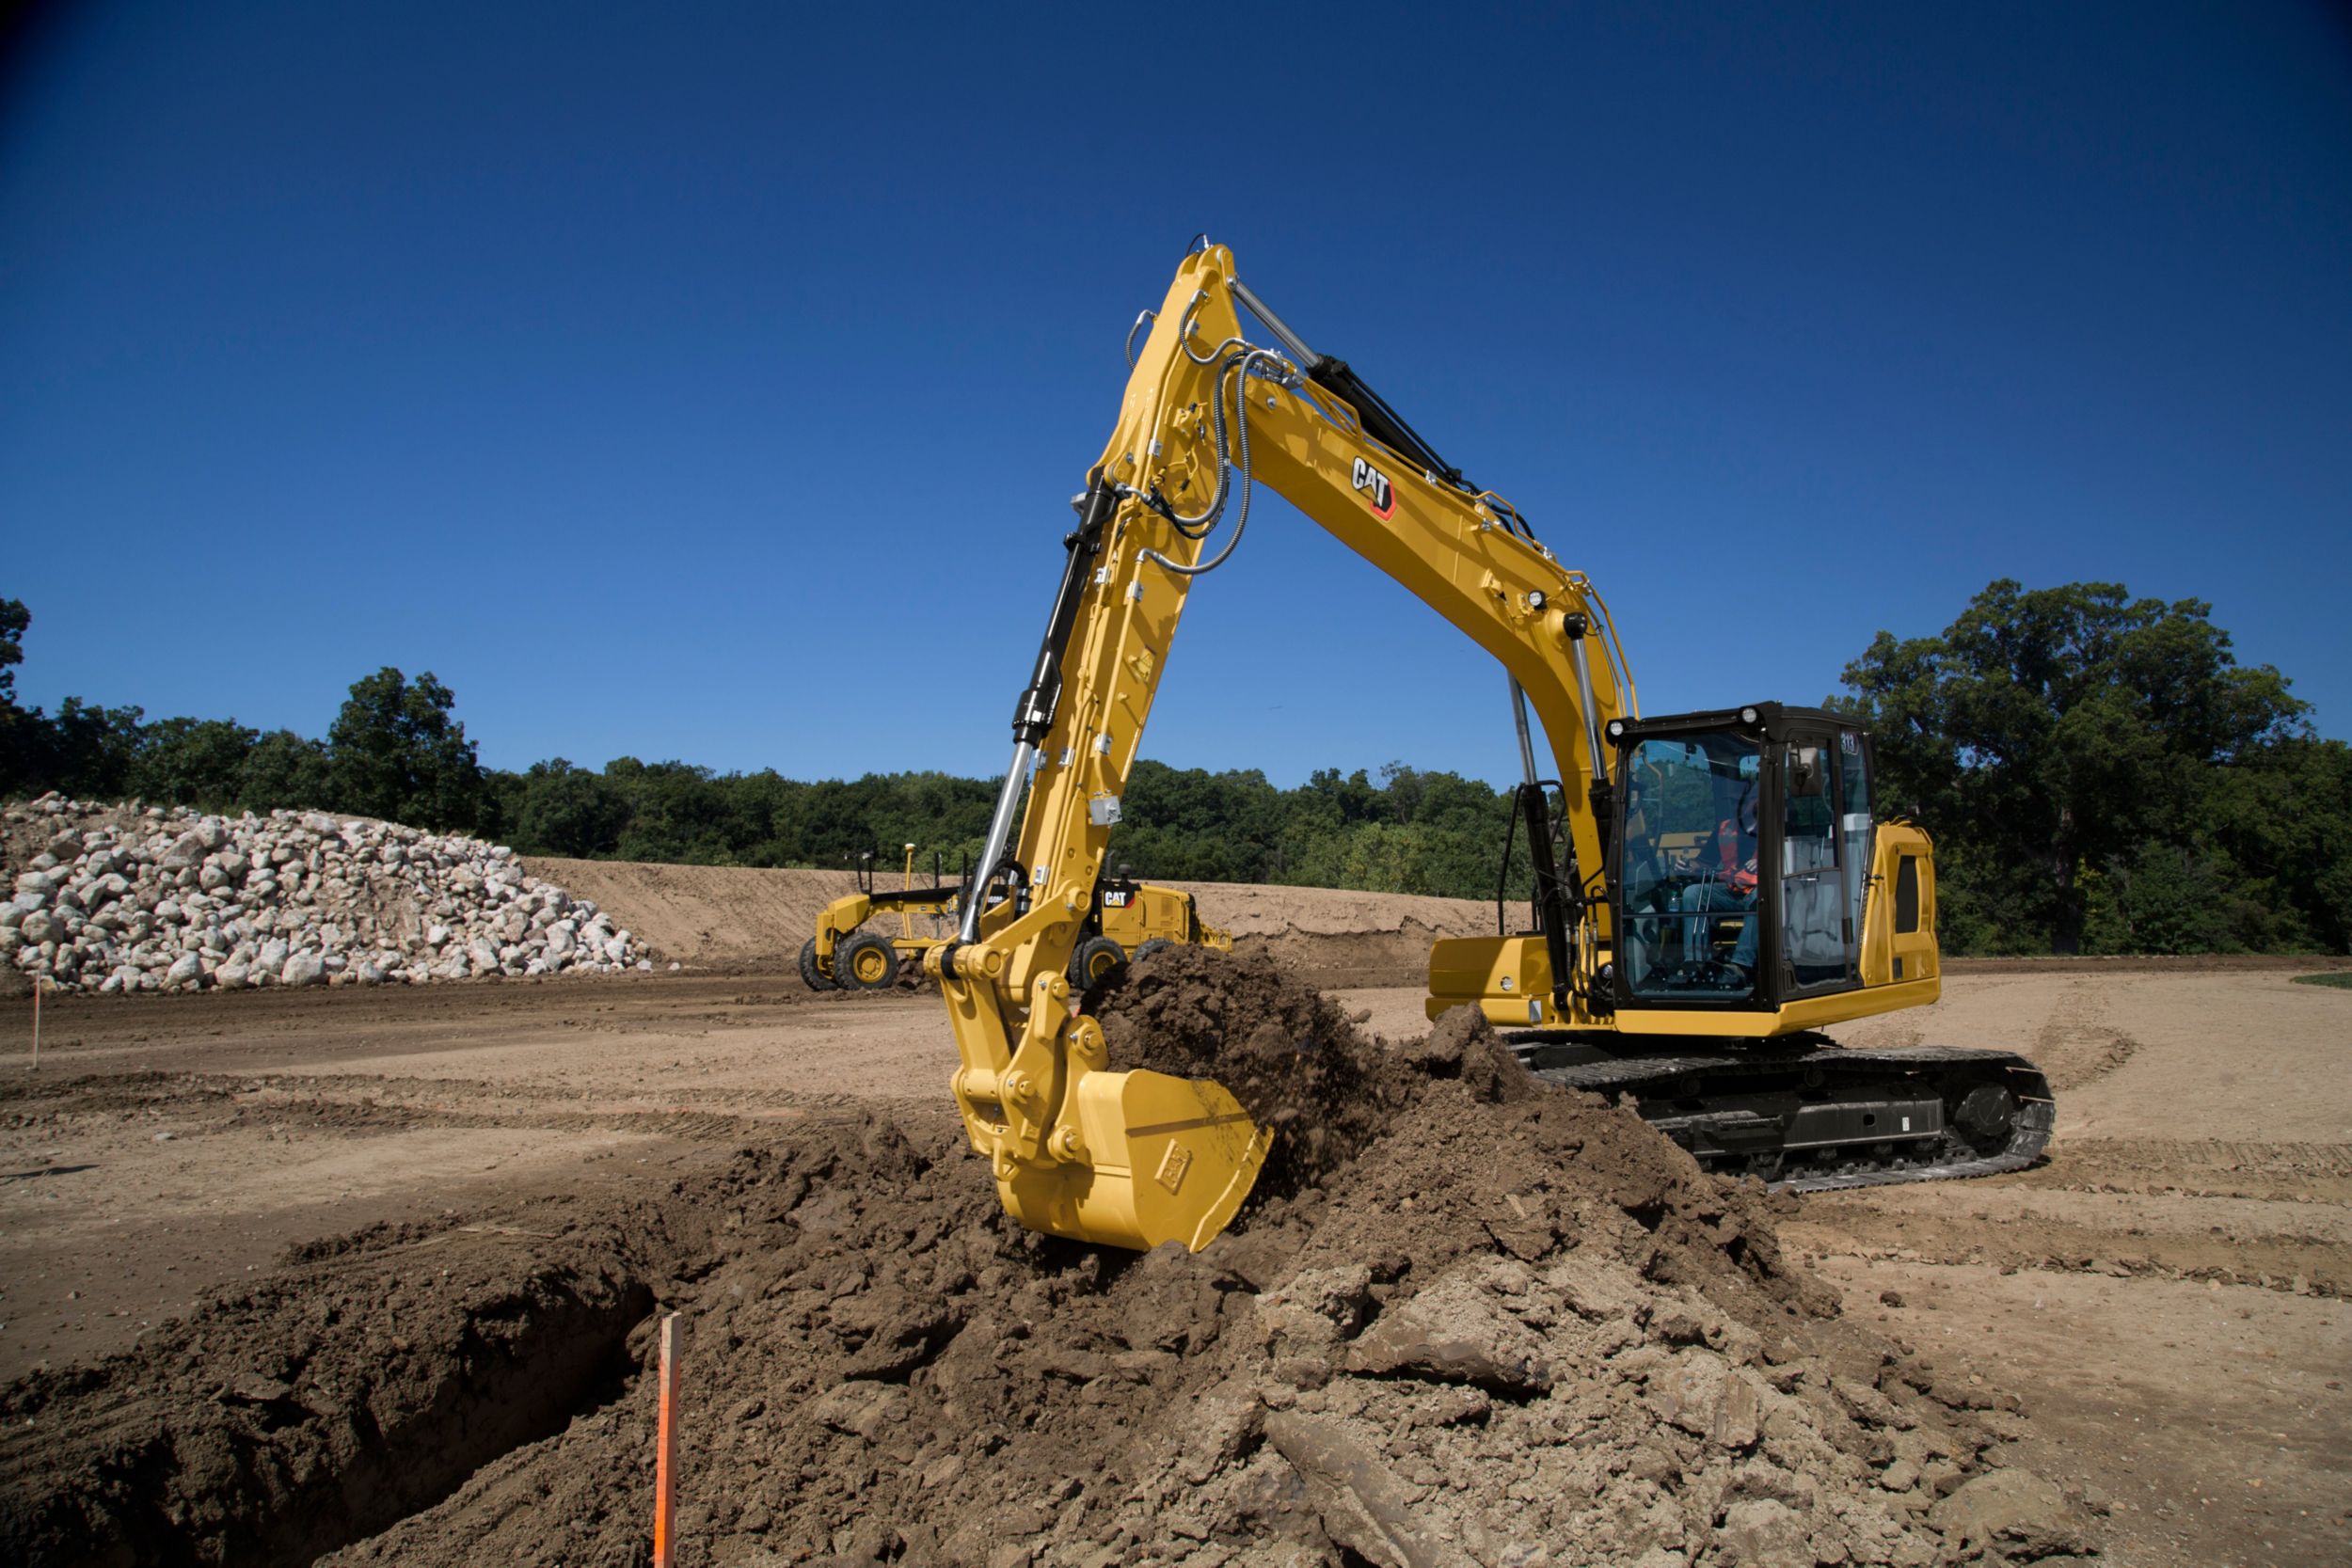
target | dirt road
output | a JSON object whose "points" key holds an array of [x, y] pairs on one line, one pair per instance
{"points": [[2167, 1293], [2168, 1290]]}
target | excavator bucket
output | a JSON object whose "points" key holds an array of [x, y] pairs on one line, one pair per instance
{"points": [[1165, 1159]]}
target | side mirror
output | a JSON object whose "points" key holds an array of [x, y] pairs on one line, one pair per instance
{"points": [[1806, 777]]}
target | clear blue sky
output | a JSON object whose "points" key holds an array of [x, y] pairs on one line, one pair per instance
{"points": [[706, 382]]}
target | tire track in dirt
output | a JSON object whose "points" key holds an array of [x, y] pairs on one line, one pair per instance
{"points": [[2187, 1216], [198, 1104], [2297, 1265], [2286, 1172], [2073, 1047]]}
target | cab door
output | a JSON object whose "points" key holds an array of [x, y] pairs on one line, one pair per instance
{"points": [[1820, 945]]}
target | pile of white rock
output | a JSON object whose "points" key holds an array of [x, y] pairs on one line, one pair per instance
{"points": [[115, 900]]}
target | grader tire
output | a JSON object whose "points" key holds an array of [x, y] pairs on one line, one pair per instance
{"points": [[812, 977], [1095, 959], [866, 963]]}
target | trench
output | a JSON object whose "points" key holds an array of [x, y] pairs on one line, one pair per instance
{"points": [[319, 1408]]}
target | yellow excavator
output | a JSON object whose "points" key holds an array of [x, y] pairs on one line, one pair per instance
{"points": [[1710, 890], [1130, 918]]}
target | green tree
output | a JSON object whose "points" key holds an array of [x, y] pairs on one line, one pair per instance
{"points": [[2283, 816], [15, 620], [86, 750], [2051, 731], [568, 811], [395, 752], [91, 749], [284, 771], [193, 762], [19, 730]]}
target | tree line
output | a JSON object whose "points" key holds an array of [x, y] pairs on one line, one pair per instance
{"points": [[2099, 773]]}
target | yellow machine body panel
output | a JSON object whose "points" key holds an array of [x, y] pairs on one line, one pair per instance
{"points": [[1133, 915], [1508, 978], [1798, 1017], [1898, 916], [851, 910]]}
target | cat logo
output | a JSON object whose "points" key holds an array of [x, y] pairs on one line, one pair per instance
{"points": [[1377, 492], [1114, 900]]}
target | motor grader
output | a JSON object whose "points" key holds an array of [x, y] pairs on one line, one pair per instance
{"points": [[1710, 890], [1128, 917]]}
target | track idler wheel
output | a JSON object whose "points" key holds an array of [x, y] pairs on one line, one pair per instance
{"points": [[1985, 1118]]}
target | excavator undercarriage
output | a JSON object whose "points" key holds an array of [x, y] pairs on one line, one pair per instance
{"points": [[1807, 1115]]}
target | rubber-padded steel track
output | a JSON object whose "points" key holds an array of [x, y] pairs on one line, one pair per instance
{"points": [[1679, 1084]]}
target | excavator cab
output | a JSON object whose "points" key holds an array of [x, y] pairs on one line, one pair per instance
{"points": [[1749, 878], [1751, 890]]}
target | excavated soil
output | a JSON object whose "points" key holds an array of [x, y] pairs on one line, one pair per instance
{"points": [[1476, 1319]]}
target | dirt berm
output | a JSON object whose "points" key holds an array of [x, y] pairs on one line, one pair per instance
{"points": [[730, 918], [1474, 1321]]}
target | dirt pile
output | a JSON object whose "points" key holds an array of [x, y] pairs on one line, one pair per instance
{"points": [[1516, 1327], [1290, 1055]]}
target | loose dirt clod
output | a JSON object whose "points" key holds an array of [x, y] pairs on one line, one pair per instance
{"points": [[1289, 1054], [1478, 1321]]}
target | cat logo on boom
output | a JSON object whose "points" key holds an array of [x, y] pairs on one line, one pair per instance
{"points": [[1377, 492]]}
